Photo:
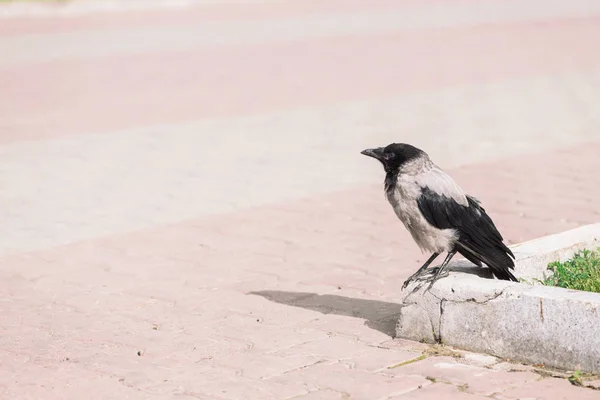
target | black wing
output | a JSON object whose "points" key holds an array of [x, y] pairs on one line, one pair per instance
{"points": [[479, 240]]}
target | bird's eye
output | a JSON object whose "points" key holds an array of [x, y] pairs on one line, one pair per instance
{"points": [[389, 156]]}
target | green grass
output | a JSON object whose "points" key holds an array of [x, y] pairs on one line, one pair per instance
{"points": [[582, 272], [575, 379]]}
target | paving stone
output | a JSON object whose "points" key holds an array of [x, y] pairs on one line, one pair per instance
{"points": [[549, 389], [324, 394], [480, 360], [357, 384], [472, 379], [593, 384], [440, 391]]}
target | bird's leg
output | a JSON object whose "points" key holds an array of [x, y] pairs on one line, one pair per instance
{"points": [[420, 270], [428, 275], [441, 268]]}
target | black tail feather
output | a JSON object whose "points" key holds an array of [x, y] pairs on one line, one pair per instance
{"points": [[468, 256], [496, 258]]}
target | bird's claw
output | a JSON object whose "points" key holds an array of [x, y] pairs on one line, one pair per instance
{"points": [[433, 279], [412, 278], [430, 276]]}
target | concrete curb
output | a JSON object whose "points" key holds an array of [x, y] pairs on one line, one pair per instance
{"points": [[536, 324]]}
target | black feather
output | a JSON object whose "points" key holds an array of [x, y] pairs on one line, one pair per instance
{"points": [[478, 238]]}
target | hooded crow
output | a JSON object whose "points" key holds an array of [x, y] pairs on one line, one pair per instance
{"points": [[439, 215]]}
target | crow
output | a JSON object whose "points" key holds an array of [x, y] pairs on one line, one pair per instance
{"points": [[439, 215]]}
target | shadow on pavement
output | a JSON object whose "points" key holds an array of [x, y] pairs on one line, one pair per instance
{"points": [[379, 315], [467, 267]]}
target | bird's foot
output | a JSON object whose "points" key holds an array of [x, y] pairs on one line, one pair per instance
{"points": [[434, 278], [425, 276], [408, 281], [430, 276], [412, 278]]}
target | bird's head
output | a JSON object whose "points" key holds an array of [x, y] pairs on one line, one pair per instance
{"points": [[394, 155]]}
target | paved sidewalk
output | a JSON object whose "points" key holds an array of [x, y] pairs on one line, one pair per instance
{"points": [[185, 212]]}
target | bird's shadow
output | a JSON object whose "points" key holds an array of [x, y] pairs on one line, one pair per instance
{"points": [[379, 315], [467, 267]]}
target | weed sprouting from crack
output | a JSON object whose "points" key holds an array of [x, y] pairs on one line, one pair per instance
{"points": [[575, 379], [412, 360], [442, 350], [579, 378], [434, 350]]}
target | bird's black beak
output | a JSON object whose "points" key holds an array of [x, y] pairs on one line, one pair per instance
{"points": [[376, 153]]}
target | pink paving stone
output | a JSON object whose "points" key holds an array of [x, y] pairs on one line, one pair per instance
{"points": [[324, 394], [439, 391], [53, 98], [377, 359], [207, 12], [595, 384], [473, 379], [549, 389], [403, 344], [63, 380], [265, 366], [351, 352], [356, 384], [196, 385]]}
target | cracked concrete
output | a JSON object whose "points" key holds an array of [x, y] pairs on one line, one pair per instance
{"points": [[537, 324]]}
